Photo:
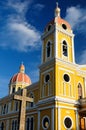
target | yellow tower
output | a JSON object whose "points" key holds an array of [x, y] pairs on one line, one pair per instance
{"points": [[59, 78]]}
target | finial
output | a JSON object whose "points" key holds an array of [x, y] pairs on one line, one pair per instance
{"points": [[57, 4], [57, 10], [22, 68]]}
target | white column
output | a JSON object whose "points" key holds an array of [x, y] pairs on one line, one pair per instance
{"points": [[38, 120], [77, 120], [52, 120], [59, 127], [73, 49], [56, 43]]}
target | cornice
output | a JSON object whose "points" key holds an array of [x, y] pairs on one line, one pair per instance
{"points": [[47, 63], [58, 99], [44, 35], [65, 32]]}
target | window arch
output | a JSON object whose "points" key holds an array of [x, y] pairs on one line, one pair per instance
{"points": [[80, 91], [65, 48], [48, 49]]}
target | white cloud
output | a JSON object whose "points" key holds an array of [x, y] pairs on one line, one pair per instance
{"points": [[38, 7], [76, 16], [20, 35], [26, 37]]}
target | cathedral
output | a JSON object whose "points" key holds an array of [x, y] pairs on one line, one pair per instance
{"points": [[58, 100]]}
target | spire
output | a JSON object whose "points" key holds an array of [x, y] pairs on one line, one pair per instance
{"points": [[22, 68], [57, 10]]}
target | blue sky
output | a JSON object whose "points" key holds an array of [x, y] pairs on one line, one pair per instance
{"points": [[21, 25]]}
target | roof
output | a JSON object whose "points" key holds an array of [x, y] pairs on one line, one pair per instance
{"points": [[20, 76]]}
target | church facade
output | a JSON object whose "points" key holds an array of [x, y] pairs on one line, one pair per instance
{"points": [[59, 101]]}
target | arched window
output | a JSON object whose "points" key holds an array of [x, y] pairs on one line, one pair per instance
{"points": [[65, 48], [79, 91], [2, 126], [48, 51]]}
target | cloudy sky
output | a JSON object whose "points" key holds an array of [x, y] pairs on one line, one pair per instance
{"points": [[21, 25]]}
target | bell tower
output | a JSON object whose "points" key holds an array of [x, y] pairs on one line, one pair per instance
{"points": [[58, 75], [57, 46], [58, 40]]}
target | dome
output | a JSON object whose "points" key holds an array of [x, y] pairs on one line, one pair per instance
{"points": [[60, 22], [21, 76]]}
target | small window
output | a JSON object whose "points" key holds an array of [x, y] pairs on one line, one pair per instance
{"points": [[64, 26], [80, 91], [49, 27], [48, 49], [68, 122], [65, 48], [13, 90], [66, 77], [47, 78], [45, 123]]}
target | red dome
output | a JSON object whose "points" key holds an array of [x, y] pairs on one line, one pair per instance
{"points": [[21, 77], [59, 21]]}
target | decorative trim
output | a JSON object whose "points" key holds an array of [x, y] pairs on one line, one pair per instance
{"points": [[45, 34], [59, 99], [59, 114], [56, 42], [68, 71], [77, 120], [73, 52], [65, 31]]}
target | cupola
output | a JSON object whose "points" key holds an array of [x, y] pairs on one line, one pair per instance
{"points": [[19, 80]]}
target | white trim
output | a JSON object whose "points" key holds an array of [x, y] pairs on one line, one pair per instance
{"points": [[67, 70], [59, 118], [58, 99], [73, 52], [77, 120], [46, 34], [47, 71], [65, 31], [64, 107], [56, 42]]}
